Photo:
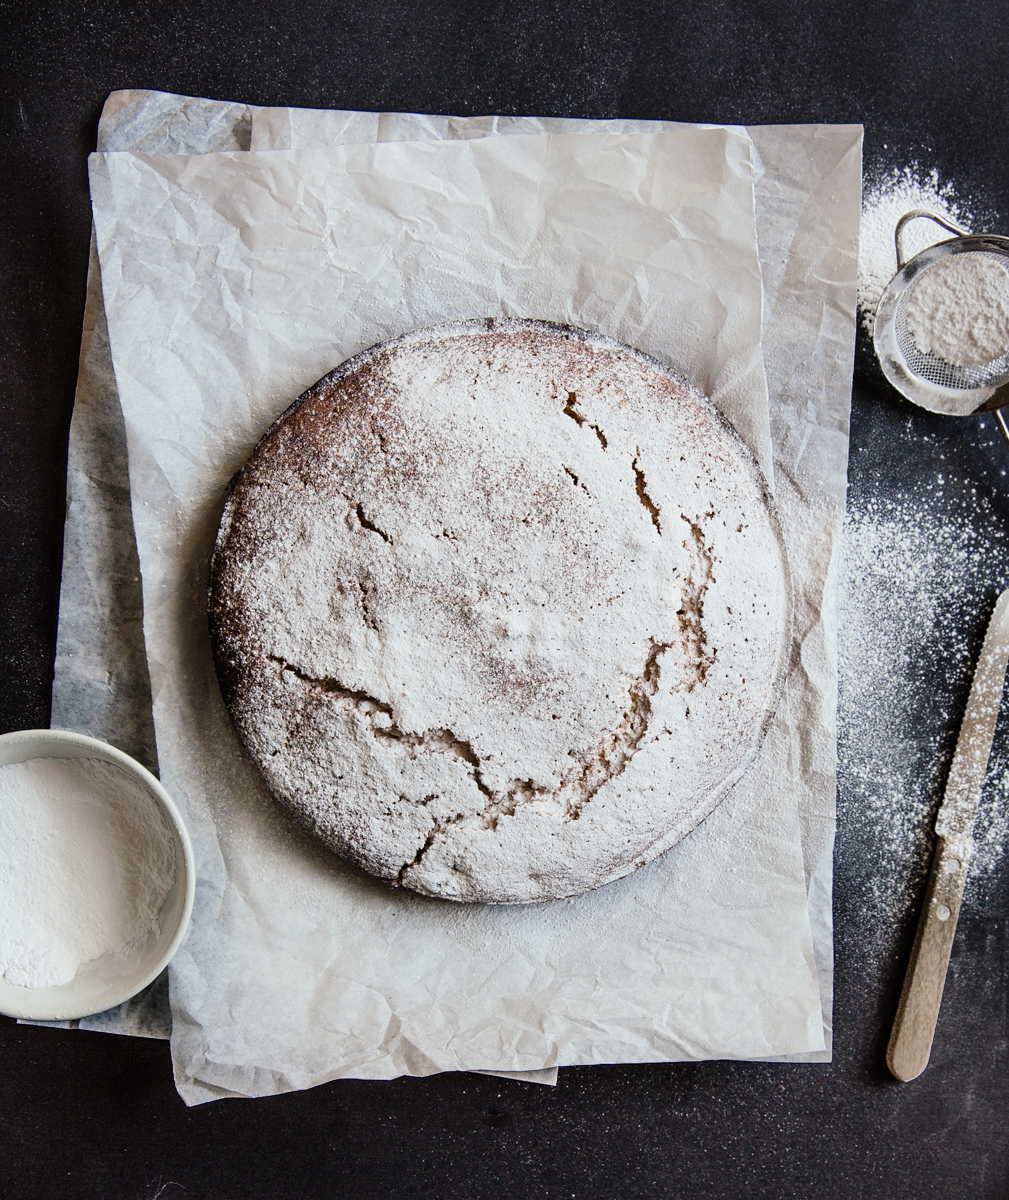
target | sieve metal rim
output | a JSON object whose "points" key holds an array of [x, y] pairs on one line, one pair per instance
{"points": [[896, 368]]}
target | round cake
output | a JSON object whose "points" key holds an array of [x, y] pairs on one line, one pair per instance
{"points": [[501, 610]]}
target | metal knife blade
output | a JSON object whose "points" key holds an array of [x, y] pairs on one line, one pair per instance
{"points": [[914, 1026]]}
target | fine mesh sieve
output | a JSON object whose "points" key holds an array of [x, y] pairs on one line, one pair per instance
{"points": [[925, 378]]}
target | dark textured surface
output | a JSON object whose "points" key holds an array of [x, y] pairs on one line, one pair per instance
{"points": [[95, 1115]]}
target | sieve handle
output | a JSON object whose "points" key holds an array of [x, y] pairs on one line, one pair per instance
{"points": [[995, 404], [913, 215]]}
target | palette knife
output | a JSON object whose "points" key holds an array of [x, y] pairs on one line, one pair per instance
{"points": [[914, 1026]]}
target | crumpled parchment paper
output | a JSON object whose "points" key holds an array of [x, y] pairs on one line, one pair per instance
{"points": [[809, 173], [231, 283], [808, 203]]}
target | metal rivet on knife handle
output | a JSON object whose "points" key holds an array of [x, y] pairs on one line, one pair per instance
{"points": [[914, 1026]]}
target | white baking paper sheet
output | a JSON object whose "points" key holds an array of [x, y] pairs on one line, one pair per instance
{"points": [[808, 201], [807, 212], [232, 282]]}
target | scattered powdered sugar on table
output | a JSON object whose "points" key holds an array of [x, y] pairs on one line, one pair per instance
{"points": [[958, 309], [910, 574], [886, 198], [86, 861]]}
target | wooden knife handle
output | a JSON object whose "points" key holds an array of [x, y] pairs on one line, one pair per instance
{"points": [[914, 1025]]}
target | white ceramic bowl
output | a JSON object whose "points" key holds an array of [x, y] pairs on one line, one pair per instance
{"points": [[106, 983]]}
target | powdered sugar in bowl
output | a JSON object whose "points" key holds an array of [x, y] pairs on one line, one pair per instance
{"points": [[97, 877]]}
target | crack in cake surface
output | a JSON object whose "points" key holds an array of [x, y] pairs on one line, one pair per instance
{"points": [[576, 481], [569, 410], [699, 576], [366, 610], [647, 503], [615, 749], [380, 718], [368, 524]]}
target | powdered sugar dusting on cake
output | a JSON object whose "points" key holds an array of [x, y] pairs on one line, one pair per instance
{"points": [[500, 610]]}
